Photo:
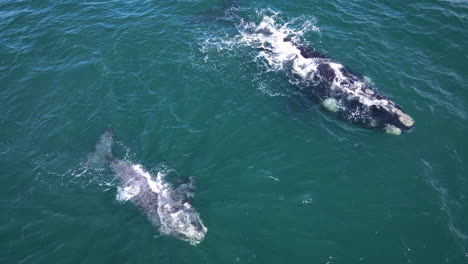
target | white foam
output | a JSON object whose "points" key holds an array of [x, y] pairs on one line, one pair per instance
{"points": [[127, 193], [155, 186]]}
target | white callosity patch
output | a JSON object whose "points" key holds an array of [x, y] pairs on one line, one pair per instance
{"points": [[390, 129], [404, 118], [176, 217]]}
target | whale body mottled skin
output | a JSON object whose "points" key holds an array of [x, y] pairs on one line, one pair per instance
{"points": [[339, 90], [167, 208], [351, 96]]}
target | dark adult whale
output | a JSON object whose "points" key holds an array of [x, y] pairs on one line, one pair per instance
{"points": [[338, 89], [166, 207]]}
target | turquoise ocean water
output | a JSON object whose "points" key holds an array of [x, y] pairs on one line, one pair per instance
{"points": [[280, 180]]}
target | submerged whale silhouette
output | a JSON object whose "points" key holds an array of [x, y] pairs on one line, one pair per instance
{"points": [[338, 89], [166, 207]]}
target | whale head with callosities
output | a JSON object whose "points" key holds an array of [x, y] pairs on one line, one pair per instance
{"points": [[166, 207], [348, 95]]}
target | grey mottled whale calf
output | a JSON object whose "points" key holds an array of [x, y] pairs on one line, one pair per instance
{"points": [[338, 89], [166, 207]]}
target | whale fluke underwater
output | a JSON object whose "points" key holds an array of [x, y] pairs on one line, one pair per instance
{"points": [[339, 90], [166, 207]]}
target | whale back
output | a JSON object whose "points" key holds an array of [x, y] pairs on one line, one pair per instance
{"points": [[103, 149], [349, 95]]}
